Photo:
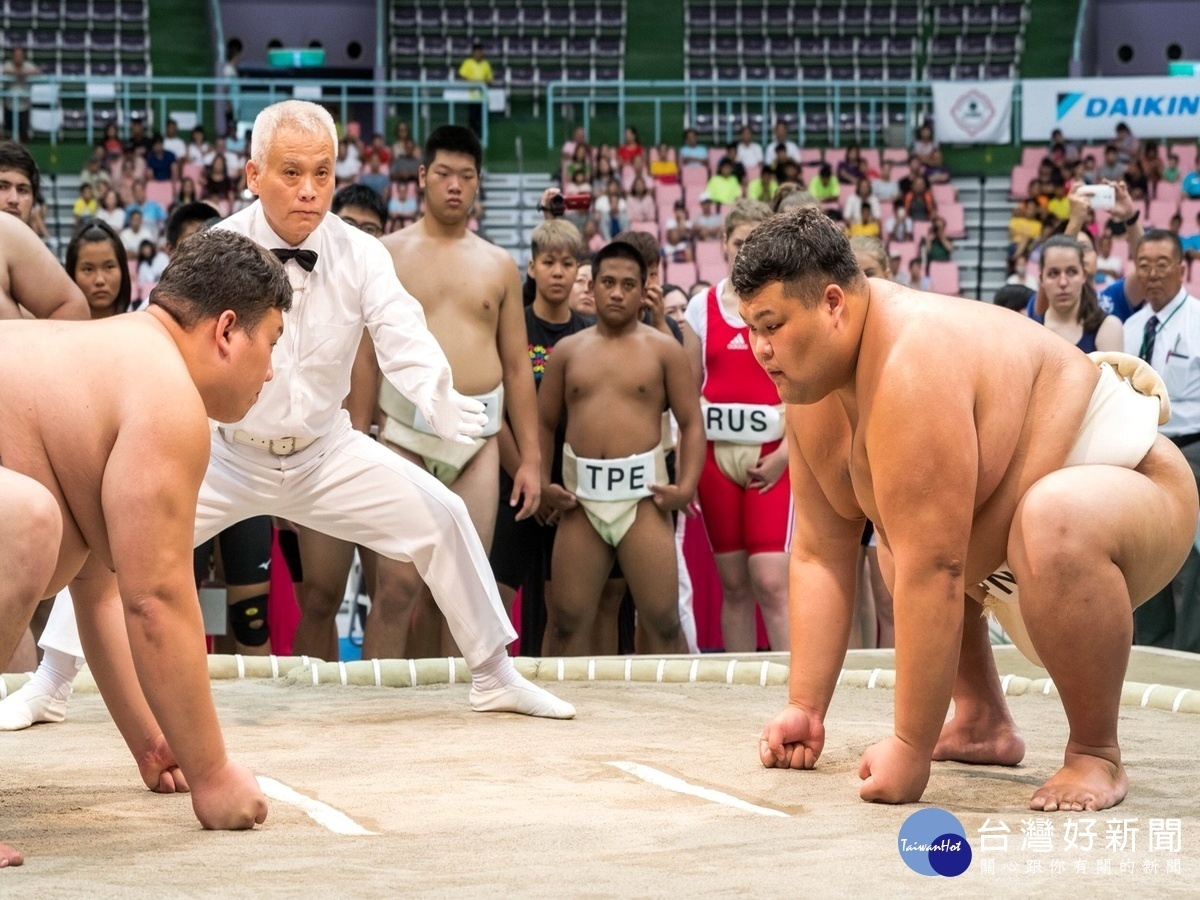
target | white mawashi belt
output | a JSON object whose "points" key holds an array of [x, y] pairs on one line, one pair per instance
{"points": [[742, 423], [627, 478], [400, 408], [285, 446]]}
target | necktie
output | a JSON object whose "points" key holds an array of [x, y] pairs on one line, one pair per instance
{"points": [[1148, 337], [306, 259]]}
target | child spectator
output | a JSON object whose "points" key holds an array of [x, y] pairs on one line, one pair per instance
{"points": [[85, 205], [640, 204], [676, 248], [724, 187], [707, 226]]}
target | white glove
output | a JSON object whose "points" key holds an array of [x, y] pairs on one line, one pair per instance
{"points": [[456, 418]]}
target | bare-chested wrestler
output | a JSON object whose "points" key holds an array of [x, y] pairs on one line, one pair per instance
{"points": [[612, 382], [98, 486], [471, 292], [969, 437]]}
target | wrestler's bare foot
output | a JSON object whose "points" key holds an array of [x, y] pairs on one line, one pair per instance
{"points": [[1087, 781], [981, 741], [9, 856]]}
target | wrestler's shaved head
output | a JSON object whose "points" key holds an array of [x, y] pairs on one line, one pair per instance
{"points": [[802, 249]]}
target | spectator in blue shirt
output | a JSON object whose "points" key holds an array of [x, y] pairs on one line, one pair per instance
{"points": [[152, 213], [160, 162], [1191, 183]]}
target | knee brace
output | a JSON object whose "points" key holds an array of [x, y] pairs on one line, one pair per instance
{"points": [[248, 621]]}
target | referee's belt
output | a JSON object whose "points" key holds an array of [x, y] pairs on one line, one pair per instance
{"points": [[284, 446], [1184, 440]]}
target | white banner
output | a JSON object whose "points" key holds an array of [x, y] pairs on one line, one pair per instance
{"points": [[972, 112], [1090, 108]]}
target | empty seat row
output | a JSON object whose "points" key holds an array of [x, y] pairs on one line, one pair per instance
{"points": [[803, 49]]}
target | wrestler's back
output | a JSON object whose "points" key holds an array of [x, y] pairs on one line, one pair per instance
{"points": [[1030, 390], [460, 283], [615, 391], [66, 388]]}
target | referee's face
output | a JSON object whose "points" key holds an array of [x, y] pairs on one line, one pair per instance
{"points": [[295, 185]]}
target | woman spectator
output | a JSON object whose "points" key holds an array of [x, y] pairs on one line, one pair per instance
{"points": [[581, 161], [113, 147], [631, 147], [937, 247], [97, 262], [1074, 312], [899, 226], [218, 186], [639, 204], [603, 175], [861, 199], [853, 168], [111, 212], [403, 136], [612, 216], [664, 166], [185, 194], [150, 265], [348, 165], [924, 144]]}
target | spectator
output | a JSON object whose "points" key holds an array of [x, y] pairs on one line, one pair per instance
{"points": [[400, 146], [172, 142], [724, 187], [640, 203], [153, 215], [936, 247], [674, 302], [748, 152], [792, 196], [611, 215], [150, 264], [764, 186], [1013, 296], [85, 204], [866, 226], [707, 226], [918, 202], [406, 165], [571, 148], [676, 248], [898, 226], [1108, 265], [679, 220], [138, 142], [111, 212], [631, 147], [579, 184], [1088, 173], [113, 148], [1137, 180], [915, 277], [97, 262], [184, 196], [375, 176], [218, 186], [18, 70], [915, 168], [924, 144], [852, 168], [1073, 311], [402, 205], [1191, 182], [94, 172], [1170, 172], [737, 169], [378, 150], [1113, 167], [477, 69], [233, 162], [1070, 151], [592, 238], [780, 136], [604, 173], [882, 186], [1125, 142], [160, 161], [1152, 164], [823, 186], [692, 152], [664, 166], [1024, 226], [1018, 271], [788, 173], [580, 162], [134, 232], [861, 199], [197, 148], [935, 171]]}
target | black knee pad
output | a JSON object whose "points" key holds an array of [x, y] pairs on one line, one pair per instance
{"points": [[248, 621]]}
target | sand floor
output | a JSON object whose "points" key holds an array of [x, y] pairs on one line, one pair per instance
{"points": [[470, 804]]}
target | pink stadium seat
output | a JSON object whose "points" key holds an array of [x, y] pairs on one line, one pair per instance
{"points": [[921, 231], [1159, 212], [834, 155], [956, 221], [1018, 186], [906, 250], [194, 171], [1168, 190], [943, 278], [810, 156], [1031, 156], [752, 172], [693, 179], [650, 228], [714, 157], [943, 194], [710, 253], [1187, 156], [897, 155], [679, 273], [667, 194], [711, 273], [161, 192], [1188, 210], [871, 157], [1101, 217]]}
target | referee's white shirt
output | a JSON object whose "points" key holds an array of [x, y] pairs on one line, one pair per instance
{"points": [[1176, 357], [353, 283]]}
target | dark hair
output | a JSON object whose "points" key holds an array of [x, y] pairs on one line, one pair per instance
{"points": [[1014, 297], [618, 249], [184, 214], [217, 270], [643, 243], [360, 195], [95, 231], [804, 250], [15, 156], [452, 139], [1161, 234], [1091, 316]]}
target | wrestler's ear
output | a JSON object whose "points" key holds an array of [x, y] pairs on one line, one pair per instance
{"points": [[833, 301], [227, 323]]}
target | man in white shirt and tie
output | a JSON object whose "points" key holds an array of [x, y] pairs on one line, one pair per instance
{"points": [[295, 454], [1166, 333]]}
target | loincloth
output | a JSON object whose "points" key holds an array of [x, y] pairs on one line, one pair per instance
{"points": [[1119, 428], [405, 427], [609, 490]]}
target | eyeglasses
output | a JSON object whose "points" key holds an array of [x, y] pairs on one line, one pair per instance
{"points": [[365, 227], [1160, 268]]}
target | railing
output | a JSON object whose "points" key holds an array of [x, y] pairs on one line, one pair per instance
{"points": [[864, 108], [72, 104]]}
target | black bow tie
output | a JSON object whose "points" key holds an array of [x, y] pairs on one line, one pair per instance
{"points": [[306, 259]]}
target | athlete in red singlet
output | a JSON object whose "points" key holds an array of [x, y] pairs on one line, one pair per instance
{"points": [[745, 502]]}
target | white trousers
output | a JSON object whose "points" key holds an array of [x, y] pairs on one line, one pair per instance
{"points": [[348, 486]]}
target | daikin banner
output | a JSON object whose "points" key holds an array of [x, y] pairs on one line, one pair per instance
{"points": [[972, 112], [1090, 108]]}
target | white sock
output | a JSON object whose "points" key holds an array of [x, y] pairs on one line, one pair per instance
{"points": [[55, 673], [496, 671]]}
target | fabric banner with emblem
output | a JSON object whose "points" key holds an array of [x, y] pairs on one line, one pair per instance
{"points": [[972, 112]]}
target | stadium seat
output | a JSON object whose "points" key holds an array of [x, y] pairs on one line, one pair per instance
{"points": [[943, 278]]}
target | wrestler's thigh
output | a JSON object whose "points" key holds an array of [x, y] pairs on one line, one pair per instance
{"points": [[1142, 519], [30, 524], [581, 563], [479, 486], [647, 557]]}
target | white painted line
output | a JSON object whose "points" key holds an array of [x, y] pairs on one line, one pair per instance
{"points": [[679, 786], [321, 813]]}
